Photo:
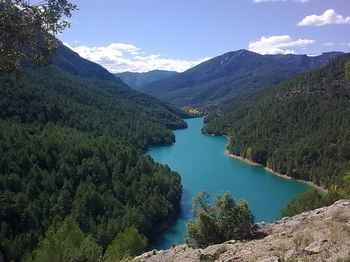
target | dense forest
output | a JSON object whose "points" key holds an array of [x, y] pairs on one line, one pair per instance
{"points": [[299, 128], [50, 172], [71, 147], [74, 182], [102, 107]]}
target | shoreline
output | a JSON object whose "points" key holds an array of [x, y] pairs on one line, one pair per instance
{"points": [[249, 162], [273, 172], [245, 160]]}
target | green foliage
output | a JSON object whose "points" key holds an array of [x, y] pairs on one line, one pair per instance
{"points": [[347, 71], [127, 244], [314, 199], [66, 243], [106, 185], [25, 30], [309, 200], [95, 106], [218, 222], [73, 146], [299, 128]]}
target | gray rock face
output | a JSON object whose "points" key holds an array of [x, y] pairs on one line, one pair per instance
{"points": [[319, 235]]}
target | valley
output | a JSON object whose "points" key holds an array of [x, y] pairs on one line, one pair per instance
{"points": [[174, 126], [206, 168]]}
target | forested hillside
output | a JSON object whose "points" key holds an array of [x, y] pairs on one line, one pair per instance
{"points": [[71, 147], [101, 107], [299, 128], [69, 61], [230, 75], [140, 80]]}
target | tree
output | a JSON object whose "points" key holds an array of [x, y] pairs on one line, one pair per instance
{"points": [[313, 199], [218, 222], [307, 201], [127, 244], [347, 71], [27, 30], [66, 244]]}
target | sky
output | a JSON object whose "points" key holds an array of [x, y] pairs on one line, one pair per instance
{"points": [[144, 35]]}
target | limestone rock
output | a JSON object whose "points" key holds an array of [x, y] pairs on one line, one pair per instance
{"points": [[314, 247], [318, 235]]}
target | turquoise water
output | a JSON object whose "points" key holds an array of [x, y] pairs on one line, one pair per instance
{"points": [[204, 166]]}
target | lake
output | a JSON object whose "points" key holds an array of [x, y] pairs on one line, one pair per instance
{"points": [[203, 165]]}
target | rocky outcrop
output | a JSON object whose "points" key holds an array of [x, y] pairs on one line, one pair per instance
{"points": [[319, 235]]}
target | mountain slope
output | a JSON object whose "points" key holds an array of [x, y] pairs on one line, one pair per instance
{"points": [[70, 62], [71, 145], [299, 128], [139, 80], [230, 75]]}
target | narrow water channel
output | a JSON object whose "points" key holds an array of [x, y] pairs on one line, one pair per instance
{"points": [[204, 166]]}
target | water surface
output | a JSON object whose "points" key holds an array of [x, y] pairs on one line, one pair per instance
{"points": [[204, 166]]}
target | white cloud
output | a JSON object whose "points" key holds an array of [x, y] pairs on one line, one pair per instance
{"points": [[329, 44], [279, 44], [265, 1], [120, 57], [341, 45], [327, 18]]}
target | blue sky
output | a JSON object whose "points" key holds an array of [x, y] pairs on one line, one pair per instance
{"points": [[141, 35]]}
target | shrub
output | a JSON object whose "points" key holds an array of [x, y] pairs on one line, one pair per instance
{"points": [[66, 243], [127, 244], [347, 71], [220, 221]]}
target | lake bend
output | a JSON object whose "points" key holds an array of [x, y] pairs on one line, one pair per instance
{"points": [[205, 167]]}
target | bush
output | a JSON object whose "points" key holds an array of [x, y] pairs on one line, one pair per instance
{"points": [[66, 244], [127, 244], [220, 221], [314, 199], [347, 71], [304, 202]]}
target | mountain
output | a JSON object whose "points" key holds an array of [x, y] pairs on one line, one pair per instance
{"points": [[140, 80], [299, 128], [70, 62], [72, 140], [230, 75]]}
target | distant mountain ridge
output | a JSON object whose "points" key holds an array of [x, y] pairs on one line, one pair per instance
{"points": [[139, 80], [231, 74]]}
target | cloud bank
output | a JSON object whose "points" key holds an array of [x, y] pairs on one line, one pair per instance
{"points": [[279, 44], [329, 17], [121, 57]]}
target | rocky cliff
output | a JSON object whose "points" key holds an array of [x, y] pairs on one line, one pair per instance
{"points": [[319, 235]]}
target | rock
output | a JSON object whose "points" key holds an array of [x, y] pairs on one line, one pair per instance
{"points": [[289, 254], [314, 247], [270, 259], [310, 236], [231, 242], [212, 253]]}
